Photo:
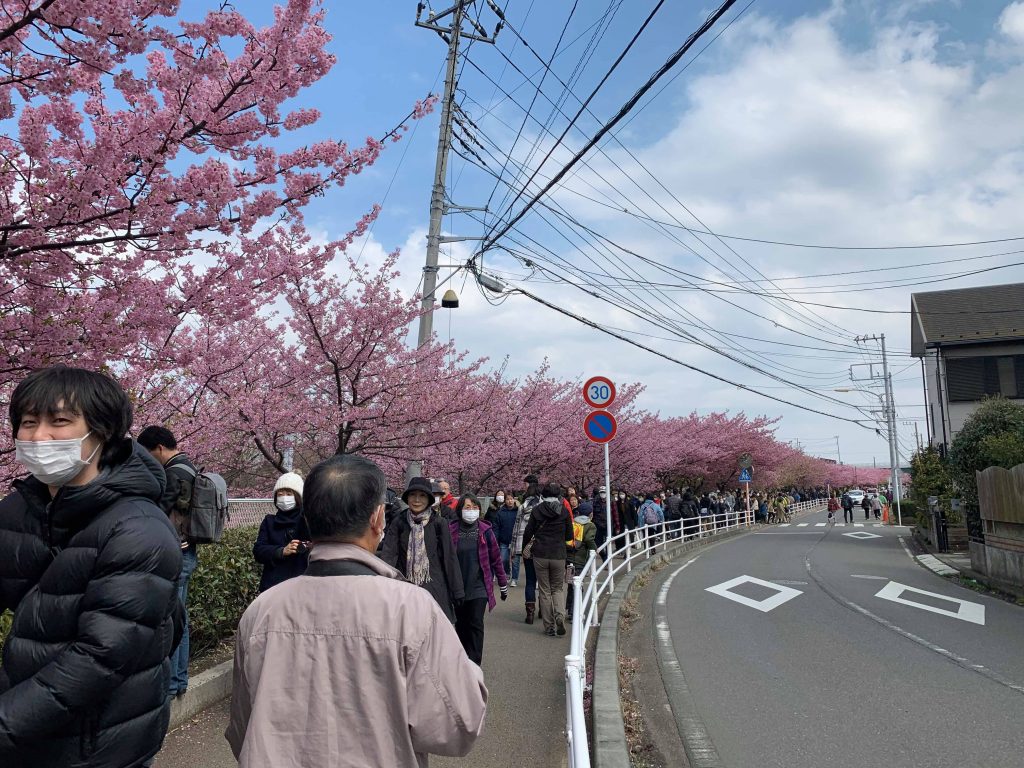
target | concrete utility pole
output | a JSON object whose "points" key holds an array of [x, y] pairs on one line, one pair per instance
{"points": [[839, 456], [452, 34], [890, 425]]}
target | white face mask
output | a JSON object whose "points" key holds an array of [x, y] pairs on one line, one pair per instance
{"points": [[470, 515], [286, 503], [499, 498], [54, 462]]}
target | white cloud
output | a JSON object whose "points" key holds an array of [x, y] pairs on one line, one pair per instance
{"points": [[1011, 21]]}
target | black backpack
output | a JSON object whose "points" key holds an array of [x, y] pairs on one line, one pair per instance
{"points": [[208, 507]]}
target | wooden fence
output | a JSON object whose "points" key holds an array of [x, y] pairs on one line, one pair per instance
{"points": [[1001, 501]]}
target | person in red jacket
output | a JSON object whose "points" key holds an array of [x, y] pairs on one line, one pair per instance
{"points": [[448, 501]]}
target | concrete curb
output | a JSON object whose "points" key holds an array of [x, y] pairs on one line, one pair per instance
{"points": [[610, 747], [204, 690]]}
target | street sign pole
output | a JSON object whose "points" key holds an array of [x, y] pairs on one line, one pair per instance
{"points": [[608, 495], [750, 512]]}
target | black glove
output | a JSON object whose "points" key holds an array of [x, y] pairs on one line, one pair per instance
{"points": [[504, 593]]}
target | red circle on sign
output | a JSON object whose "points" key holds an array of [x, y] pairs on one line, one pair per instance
{"points": [[603, 393], [600, 427]]}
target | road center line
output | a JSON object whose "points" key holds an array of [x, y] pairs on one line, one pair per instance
{"points": [[954, 657]]}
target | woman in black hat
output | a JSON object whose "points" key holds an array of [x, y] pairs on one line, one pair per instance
{"points": [[419, 544]]}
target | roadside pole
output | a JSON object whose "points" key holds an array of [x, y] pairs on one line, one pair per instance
{"points": [[607, 491], [890, 421]]}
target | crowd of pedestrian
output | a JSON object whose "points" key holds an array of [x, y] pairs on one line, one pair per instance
{"points": [[98, 544]]}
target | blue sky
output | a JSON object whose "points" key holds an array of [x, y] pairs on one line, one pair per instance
{"points": [[853, 123]]}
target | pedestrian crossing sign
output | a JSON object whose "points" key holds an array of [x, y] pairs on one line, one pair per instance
{"points": [[746, 476]]}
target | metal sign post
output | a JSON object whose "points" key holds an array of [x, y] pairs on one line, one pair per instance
{"points": [[607, 492], [746, 463], [600, 427]]}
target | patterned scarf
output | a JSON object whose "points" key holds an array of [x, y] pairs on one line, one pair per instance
{"points": [[417, 563]]}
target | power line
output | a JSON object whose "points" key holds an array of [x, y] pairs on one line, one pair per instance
{"points": [[597, 326], [768, 299], [623, 111]]}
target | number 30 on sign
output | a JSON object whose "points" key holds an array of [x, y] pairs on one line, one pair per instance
{"points": [[599, 392]]}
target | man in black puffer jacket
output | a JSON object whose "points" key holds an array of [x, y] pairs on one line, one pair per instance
{"points": [[88, 565]]}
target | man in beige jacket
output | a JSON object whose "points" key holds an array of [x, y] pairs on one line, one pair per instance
{"points": [[350, 665]]}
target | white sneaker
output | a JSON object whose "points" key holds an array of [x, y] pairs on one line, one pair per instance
{"points": [[514, 583]]}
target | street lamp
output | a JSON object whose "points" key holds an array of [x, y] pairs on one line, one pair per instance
{"points": [[890, 428]]}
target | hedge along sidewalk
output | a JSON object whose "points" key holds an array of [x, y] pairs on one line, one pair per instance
{"points": [[611, 749], [224, 583]]}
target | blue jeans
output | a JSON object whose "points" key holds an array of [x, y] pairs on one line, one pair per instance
{"points": [[516, 559], [531, 582], [505, 551], [179, 659]]}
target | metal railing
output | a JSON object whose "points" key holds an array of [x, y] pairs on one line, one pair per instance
{"points": [[595, 581]]}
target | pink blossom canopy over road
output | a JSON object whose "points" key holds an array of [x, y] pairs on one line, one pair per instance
{"points": [[150, 225]]}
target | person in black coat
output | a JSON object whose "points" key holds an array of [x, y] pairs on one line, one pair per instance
{"points": [[546, 534], [419, 544], [282, 545], [88, 564]]}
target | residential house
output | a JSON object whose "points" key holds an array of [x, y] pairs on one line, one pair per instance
{"points": [[971, 344]]}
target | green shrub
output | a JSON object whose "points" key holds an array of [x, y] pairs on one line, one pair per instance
{"points": [[226, 580], [992, 436]]}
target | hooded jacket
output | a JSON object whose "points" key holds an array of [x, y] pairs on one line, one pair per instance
{"points": [[276, 532], [578, 556], [551, 526], [91, 577]]}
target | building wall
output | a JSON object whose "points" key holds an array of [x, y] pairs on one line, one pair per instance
{"points": [[955, 414]]}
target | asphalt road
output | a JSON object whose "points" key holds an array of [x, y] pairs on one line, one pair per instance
{"points": [[830, 673], [525, 722]]}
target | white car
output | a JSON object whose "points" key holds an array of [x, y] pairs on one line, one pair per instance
{"points": [[856, 495]]}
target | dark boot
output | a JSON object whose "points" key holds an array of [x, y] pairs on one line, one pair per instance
{"points": [[531, 610]]}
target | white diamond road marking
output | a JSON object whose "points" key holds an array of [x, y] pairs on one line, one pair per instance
{"points": [[802, 525], [782, 594], [966, 611], [861, 535]]}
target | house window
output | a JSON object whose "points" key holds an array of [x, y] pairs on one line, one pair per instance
{"points": [[972, 378]]}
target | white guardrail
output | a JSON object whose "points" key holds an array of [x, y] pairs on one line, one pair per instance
{"points": [[596, 581]]}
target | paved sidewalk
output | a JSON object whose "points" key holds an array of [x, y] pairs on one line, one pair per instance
{"points": [[525, 713]]}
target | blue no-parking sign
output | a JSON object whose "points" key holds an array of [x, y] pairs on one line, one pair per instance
{"points": [[600, 426]]}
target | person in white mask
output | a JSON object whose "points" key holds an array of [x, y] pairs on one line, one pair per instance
{"points": [[283, 543], [86, 662], [479, 557]]}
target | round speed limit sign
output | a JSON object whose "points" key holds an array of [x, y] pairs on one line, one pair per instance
{"points": [[599, 392]]}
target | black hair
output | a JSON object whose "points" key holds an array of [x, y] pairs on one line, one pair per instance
{"points": [[533, 489], [95, 396], [154, 435], [341, 495], [551, 490], [462, 503]]}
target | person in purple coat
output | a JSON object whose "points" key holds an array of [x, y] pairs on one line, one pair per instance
{"points": [[479, 558]]}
